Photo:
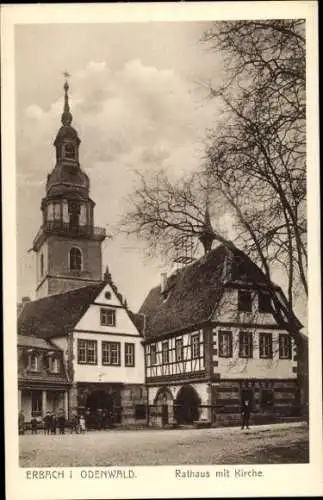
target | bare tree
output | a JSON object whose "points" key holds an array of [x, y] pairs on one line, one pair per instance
{"points": [[257, 154], [254, 168]]}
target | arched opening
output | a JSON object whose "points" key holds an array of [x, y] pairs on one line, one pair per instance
{"points": [[163, 402], [102, 409], [75, 259], [187, 402]]}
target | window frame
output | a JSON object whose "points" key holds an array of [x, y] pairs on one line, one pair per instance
{"points": [[264, 307], [179, 342], [195, 345], [34, 368], [75, 258], [153, 354], [165, 352], [104, 311], [248, 344], [131, 355], [221, 335], [240, 302], [86, 350], [54, 362], [114, 349], [262, 346], [282, 337]]}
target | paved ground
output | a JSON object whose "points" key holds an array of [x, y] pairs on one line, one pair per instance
{"points": [[280, 443]]}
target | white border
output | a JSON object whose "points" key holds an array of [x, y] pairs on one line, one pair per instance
{"points": [[152, 482]]}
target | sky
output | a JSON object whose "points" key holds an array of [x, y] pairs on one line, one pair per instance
{"points": [[138, 95]]}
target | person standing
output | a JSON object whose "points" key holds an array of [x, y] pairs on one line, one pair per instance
{"points": [[34, 425], [82, 424], [47, 422], [53, 423], [61, 423], [245, 414], [21, 423]]}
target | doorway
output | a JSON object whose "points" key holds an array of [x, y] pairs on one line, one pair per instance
{"points": [[187, 405]]}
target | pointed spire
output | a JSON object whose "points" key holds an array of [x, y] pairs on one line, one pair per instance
{"points": [[207, 234], [67, 115]]}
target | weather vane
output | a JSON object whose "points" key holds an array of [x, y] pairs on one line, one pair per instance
{"points": [[66, 74]]}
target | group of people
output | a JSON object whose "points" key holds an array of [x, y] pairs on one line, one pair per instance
{"points": [[52, 422]]}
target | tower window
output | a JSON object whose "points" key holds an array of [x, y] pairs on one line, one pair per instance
{"points": [[76, 259], [69, 151], [42, 265]]}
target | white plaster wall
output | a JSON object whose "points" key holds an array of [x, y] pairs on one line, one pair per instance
{"points": [[256, 367], [91, 319], [227, 311], [101, 373]]}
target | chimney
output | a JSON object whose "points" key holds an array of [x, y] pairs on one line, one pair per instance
{"points": [[163, 282], [24, 300]]}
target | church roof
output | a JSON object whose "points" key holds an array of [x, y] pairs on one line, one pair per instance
{"points": [[56, 315], [194, 292]]}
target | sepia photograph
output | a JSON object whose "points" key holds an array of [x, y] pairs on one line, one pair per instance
{"points": [[161, 219]]}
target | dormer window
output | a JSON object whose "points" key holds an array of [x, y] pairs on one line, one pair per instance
{"points": [[34, 363], [54, 365]]}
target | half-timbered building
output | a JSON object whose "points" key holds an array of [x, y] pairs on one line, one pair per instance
{"points": [[211, 340]]}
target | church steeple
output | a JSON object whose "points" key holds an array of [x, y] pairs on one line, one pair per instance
{"points": [[68, 246], [67, 115], [207, 234]]}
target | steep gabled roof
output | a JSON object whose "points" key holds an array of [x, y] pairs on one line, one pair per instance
{"points": [[56, 315], [194, 292]]}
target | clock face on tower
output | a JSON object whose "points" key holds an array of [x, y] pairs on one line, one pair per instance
{"points": [[69, 151]]}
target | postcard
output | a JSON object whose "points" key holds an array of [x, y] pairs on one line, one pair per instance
{"points": [[161, 262]]}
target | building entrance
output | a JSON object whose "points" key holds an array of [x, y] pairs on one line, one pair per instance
{"points": [[186, 409]]}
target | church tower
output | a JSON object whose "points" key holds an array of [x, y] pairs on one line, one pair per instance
{"points": [[67, 245]]}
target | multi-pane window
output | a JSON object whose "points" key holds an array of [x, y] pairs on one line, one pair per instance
{"points": [[285, 346], [57, 211], [129, 354], [54, 365], [108, 317], [179, 349], [87, 352], [245, 345], [36, 403], [153, 354], [264, 302], [265, 345], [165, 352], [76, 259], [195, 346], [34, 363], [111, 353], [244, 301], [225, 344]]}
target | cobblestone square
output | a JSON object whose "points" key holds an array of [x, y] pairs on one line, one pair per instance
{"points": [[280, 443]]}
